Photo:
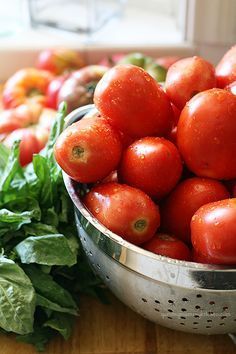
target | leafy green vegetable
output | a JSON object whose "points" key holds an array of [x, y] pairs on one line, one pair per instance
{"points": [[17, 298], [43, 269], [32, 250]]}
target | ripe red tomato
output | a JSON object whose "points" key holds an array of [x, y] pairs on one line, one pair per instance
{"points": [[26, 85], [133, 102], [53, 91], [213, 232], [188, 196], [152, 164], [169, 246], [226, 69], [126, 211], [206, 134], [88, 150], [29, 144], [59, 60], [187, 77]]}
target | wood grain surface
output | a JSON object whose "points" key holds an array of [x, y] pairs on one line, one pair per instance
{"points": [[115, 329]]}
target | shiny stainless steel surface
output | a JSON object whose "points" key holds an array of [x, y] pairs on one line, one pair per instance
{"points": [[181, 295]]}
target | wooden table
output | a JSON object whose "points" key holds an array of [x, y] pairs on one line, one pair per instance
{"points": [[115, 329]]}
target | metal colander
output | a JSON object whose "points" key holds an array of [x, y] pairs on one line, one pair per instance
{"points": [[180, 295]]}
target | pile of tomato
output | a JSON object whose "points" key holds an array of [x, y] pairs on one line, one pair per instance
{"points": [[161, 162]]}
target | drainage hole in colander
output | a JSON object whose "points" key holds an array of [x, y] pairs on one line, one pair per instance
{"points": [[90, 253], [170, 318], [98, 266], [222, 324], [197, 307], [171, 301], [208, 326], [223, 317], [196, 316], [209, 320], [195, 322], [184, 299], [144, 300], [183, 310], [169, 310], [84, 239], [225, 308], [234, 319], [183, 318], [157, 301], [107, 278], [157, 310], [211, 302], [210, 313], [183, 324], [198, 295]]}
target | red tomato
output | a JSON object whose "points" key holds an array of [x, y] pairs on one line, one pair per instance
{"points": [[199, 258], [172, 136], [187, 77], [133, 102], [176, 115], [29, 144], [226, 69], [167, 61], [213, 232], [88, 150], [126, 211], [169, 246], [188, 196], [231, 87], [53, 91], [152, 164], [26, 85], [59, 60], [206, 134]]}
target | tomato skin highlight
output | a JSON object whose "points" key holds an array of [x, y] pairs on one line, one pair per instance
{"points": [[226, 68], [152, 164], [168, 246], [187, 197], [206, 134], [187, 77], [133, 102], [124, 210], [213, 232], [88, 150]]}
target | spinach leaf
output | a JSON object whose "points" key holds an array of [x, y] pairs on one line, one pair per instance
{"points": [[17, 298], [4, 154], [48, 250], [39, 229]]}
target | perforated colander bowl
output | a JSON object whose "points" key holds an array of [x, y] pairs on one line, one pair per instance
{"points": [[180, 295]]}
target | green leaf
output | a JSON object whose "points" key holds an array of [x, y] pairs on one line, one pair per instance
{"points": [[17, 298], [50, 217], [4, 154], [47, 152], [39, 338], [44, 302], [62, 323], [41, 169], [12, 167], [48, 288], [39, 229], [48, 249], [25, 204]]}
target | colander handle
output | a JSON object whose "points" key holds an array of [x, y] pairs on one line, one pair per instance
{"points": [[233, 337]]}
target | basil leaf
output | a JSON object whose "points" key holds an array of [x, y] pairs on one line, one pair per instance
{"points": [[42, 171], [4, 154], [39, 229], [62, 323], [58, 251], [48, 288], [17, 298], [39, 338], [44, 302]]}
